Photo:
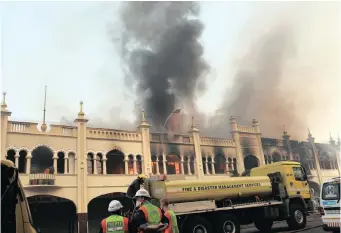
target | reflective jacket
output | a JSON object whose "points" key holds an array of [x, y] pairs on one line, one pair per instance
{"points": [[115, 224], [173, 223]]}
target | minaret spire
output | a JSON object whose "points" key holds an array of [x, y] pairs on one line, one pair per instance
{"points": [[43, 126]]}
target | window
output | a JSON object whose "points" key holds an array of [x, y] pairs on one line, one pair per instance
{"points": [[299, 173], [331, 191]]}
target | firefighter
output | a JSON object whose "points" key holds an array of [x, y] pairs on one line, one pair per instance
{"points": [[170, 215], [148, 217], [115, 223], [136, 185]]}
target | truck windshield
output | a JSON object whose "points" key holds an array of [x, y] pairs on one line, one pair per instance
{"points": [[331, 191]]}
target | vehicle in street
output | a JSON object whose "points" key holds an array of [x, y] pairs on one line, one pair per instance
{"points": [[15, 211], [330, 205], [272, 192]]}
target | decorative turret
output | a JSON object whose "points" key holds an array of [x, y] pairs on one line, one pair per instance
{"points": [[144, 122], [43, 126], [81, 114], [286, 139], [313, 147], [193, 126], [331, 140], [3, 104]]}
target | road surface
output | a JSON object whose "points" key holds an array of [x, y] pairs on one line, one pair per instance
{"points": [[314, 225]]}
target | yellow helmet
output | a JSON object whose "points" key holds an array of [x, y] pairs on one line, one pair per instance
{"points": [[142, 176]]}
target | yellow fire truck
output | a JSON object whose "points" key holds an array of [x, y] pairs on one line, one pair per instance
{"points": [[273, 192]]}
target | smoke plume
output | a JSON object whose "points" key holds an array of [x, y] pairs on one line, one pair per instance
{"points": [[288, 74], [162, 55]]}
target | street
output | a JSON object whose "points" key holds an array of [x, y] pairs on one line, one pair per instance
{"points": [[314, 225]]}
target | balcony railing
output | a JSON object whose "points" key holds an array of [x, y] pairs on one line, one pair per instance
{"points": [[42, 179]]}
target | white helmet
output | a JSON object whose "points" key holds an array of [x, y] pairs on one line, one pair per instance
{"points": [[142, 193], [114, 206]]}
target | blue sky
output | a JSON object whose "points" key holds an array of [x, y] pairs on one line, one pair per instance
{"points": [[66, 46]]}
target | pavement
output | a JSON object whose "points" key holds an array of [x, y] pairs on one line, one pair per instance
{"points": [[314, 225]]}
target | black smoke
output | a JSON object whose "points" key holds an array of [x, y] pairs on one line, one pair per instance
{"points": [[162, 55]]}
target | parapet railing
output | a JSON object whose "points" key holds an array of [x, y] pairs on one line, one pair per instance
{"points": [[42, 179]]}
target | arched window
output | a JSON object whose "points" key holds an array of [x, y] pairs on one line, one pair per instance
{"points": [[99, 163], [60, 162], [138, 164], [42, 160], [11, 155], [250, 161], [161, 164], [115, 162], [186, 165], [173, 164], [131, 165], [90, 162], [220, 164], [71, 159], [22, 161], [154, 170]]}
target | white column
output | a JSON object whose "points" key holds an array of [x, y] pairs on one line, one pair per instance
{"points": [[66, 164], [206, 166], [55, 157], [28, 162], [16, 157], [164, 163], [212, 164], [189, 167], [182, 165], [104, 161], [157, 166], [227, 167]]}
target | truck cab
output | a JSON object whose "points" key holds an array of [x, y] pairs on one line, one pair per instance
{"points": [[294, 177]]}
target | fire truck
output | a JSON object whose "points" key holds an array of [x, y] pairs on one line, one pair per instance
{"points": [[273, 192]]}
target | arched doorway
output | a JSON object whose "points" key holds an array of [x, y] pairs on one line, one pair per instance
{"points": [[41, 159], [115, 162], [220, 164], [98, 208], [250, 161], [173, 164], [53, 214]]}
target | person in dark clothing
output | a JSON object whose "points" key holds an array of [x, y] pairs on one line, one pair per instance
{"points": [[136, 185]]}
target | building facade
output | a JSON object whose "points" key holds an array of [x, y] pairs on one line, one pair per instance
{"points": [[70, 173]]}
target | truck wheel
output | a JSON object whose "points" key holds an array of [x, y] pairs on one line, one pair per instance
{"points": [[264, 225], [298, 217], [196, 224], [227, 224]]}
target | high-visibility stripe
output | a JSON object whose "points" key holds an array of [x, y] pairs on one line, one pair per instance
{"points": [[104, 225]]}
